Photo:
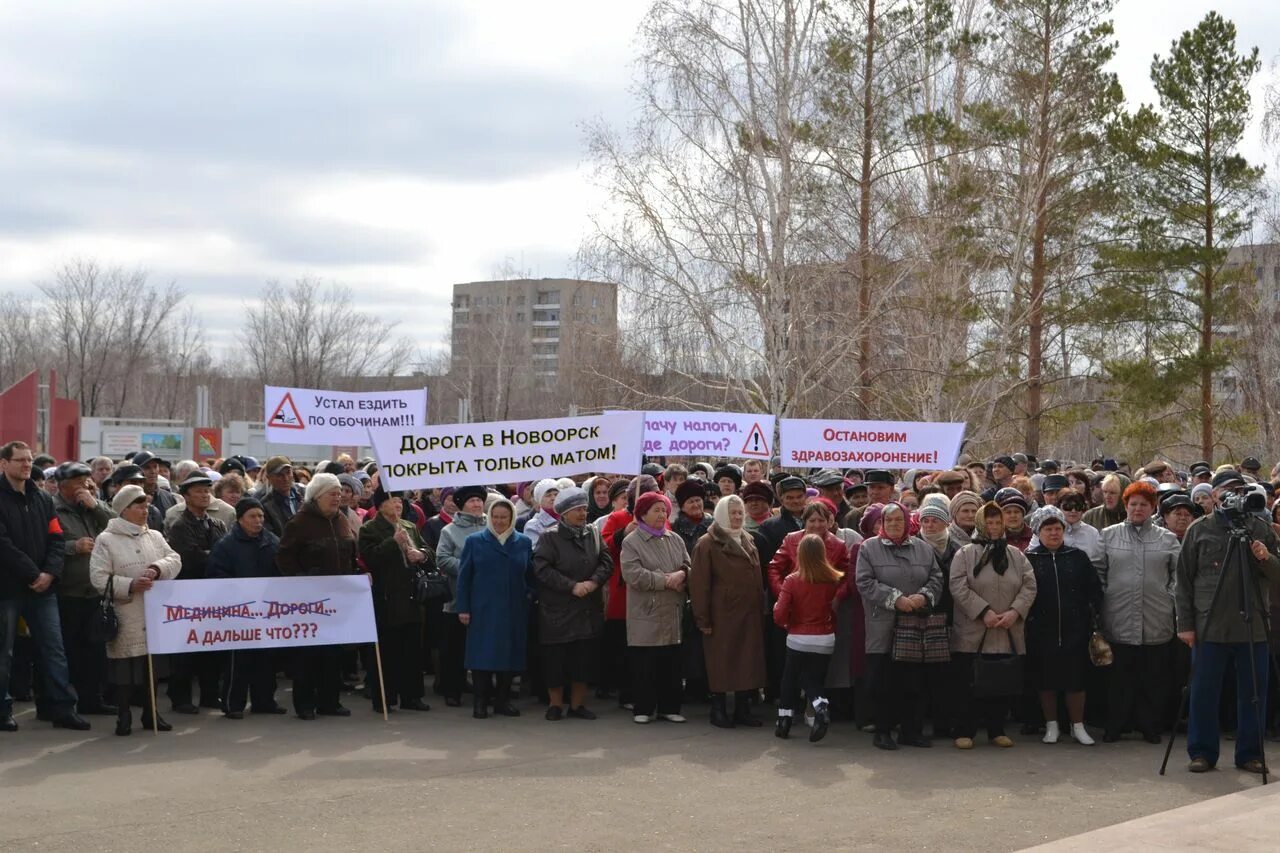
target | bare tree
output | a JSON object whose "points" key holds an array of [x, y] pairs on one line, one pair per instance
{"points": [[309, 335], [23, 339]]}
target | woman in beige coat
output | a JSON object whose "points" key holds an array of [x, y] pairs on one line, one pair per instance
{"points": [[655, 566], [992, 587], [127, 558]]}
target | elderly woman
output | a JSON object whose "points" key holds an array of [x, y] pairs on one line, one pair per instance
{"points": [[493, 604], [393, 552], [571, 566], [964, 517], [728, 608], [248, 551], [993, 588], [469, 519], [655, 566], [618, 524], [1068, 598], [1138, 571], [897, 574], [126, 559], [317, 541]]}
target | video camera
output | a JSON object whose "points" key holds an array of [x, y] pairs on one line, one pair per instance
{"points": [[1237, 506]]}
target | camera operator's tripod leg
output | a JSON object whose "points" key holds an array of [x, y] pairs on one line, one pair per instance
{"points": [[1184, 709]]}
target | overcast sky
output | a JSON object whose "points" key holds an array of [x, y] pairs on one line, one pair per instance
{"points": [[395, 146]]}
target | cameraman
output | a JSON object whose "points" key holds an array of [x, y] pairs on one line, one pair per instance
{"points": [[1212, 625]]}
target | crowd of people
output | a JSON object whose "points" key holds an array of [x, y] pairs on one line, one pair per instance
{"points": [[918, 606]]}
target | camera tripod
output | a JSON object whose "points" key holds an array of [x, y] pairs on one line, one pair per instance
{"points": [[1235, 561]]}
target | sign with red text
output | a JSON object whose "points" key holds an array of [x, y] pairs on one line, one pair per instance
{"points": [[706, 434], [258, 613], [830, 443], [308, 416], [507, 451]]}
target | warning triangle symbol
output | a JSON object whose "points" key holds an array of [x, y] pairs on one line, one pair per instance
{"points": [[290, 419], [756, 444]]}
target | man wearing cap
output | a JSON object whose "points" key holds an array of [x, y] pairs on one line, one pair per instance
{"points": [[161, 499], [830, 484], [1201, 472], [82, 517], [1177, 511], [951, 482], [32, 551], [193, 534], [1052, 485], [793, 495], [1213, 628], [281, 498], [1252, 467], [881, 489], [1019, 464]]}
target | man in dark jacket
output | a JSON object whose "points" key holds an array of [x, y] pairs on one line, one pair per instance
{"points": [[1207, 597], [247, 551], [31, 556], [281, 498], [768, 539], [162, 499], [82, 517], [193, 534]]}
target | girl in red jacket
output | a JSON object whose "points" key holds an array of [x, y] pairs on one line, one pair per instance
{"points": [[805, 609]]}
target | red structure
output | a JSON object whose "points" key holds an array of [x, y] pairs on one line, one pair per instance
{"points": [[19, 417]]}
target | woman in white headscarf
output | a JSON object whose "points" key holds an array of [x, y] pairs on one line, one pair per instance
{"points": [[728, 608]]}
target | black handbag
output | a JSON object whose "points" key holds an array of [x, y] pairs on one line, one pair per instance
{"points": [[429, 586], [997, 676], [105, 628]]}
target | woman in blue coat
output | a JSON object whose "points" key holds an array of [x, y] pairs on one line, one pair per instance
{"points": [[493, 602]]}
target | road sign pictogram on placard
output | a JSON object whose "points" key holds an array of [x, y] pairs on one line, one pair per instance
{"points": [[756, 443], [281, 419]]}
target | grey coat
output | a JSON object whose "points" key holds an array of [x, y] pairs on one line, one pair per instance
{"points": [[561, 560], [654, 612], [886, 572], [1138, 572], [449, 551]]}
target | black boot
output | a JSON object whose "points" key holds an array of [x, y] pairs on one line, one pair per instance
{"points": [[719, 715], [782, 728], [502, 705], [480, 695], [159, 721], [124, 720], [742, 715], [821, 719]]}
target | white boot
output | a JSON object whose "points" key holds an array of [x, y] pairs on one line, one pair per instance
{"points": [[1050, 732], [1081, 736]]}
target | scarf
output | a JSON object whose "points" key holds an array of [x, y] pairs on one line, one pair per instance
{"points": [[995, 553], [889, 508], [938, 540], [654, 532], [488, 521]]}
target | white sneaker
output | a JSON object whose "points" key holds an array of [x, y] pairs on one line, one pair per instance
{"points": [[1051, 733], [1082, 737], [672, 718], [642, 718]]}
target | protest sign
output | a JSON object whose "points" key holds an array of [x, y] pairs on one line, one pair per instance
{"points": [[308, 416], [869, 444], [258, 613], [507, 451], [702, 433]]}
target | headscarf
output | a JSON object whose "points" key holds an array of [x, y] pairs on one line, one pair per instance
{"points": [[995, 552], [488, 519], [870, 520], [890, 508], [739, 537]]}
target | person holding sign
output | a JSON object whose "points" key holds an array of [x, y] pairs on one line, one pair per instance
{"points": [[655, 566], [127, 558], [318, 541], [493, 604], [393, 551], [571, 565]]}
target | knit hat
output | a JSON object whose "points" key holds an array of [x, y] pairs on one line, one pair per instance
{"points": [[759, 490], [539, 491], [356, 487], [937, 499], [126, 496], [617, 487], [689, 489], [570, 498], [245, 504], [933, 510], [1046, 514], [646, 501], [1201, 489], [565, 483], [963, 499], [1012, 497], [320, 484]]}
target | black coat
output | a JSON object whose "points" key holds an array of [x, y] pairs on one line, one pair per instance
{"points": [[393, 577], [30, 538], [193, 538], [1068, 597], [277, 509], [238, 555], [690, 531]]}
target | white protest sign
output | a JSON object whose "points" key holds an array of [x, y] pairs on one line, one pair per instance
{"points": [[258, 613], [507, 451], [879, 444], [310, 416], [702, 433]]}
